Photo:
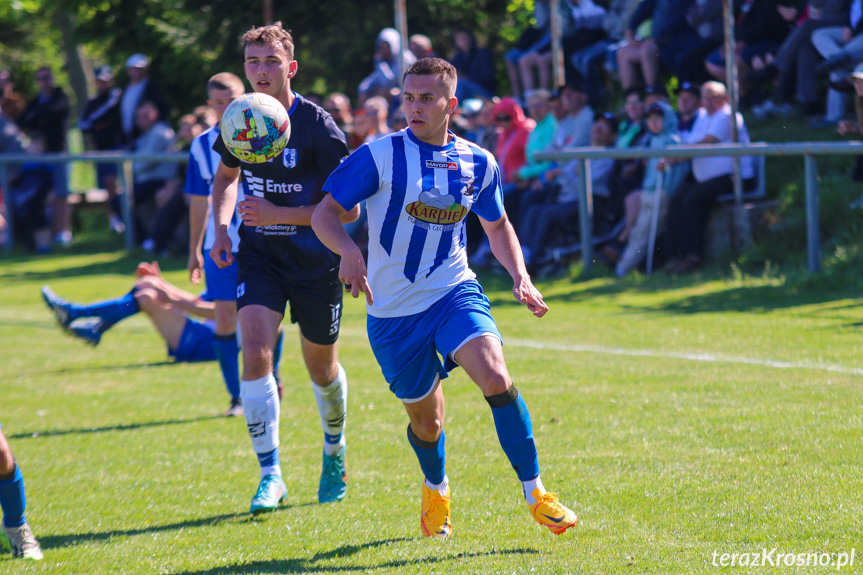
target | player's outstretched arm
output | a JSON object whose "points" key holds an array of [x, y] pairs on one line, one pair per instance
{"points": [[505, 247], [259, 212], [327, 224], [224, 202]]}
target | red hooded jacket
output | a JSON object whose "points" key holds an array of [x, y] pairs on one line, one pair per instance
{"points": [[512, 138]]}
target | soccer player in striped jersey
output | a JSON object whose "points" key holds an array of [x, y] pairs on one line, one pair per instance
{"points": [[282, 262], [422, 298], [222, 89]]}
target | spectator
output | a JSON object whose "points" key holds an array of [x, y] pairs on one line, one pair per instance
{"points": [[631, 132], [555, 106], [150, 177], [475, 66], [206, 117], [12, 104], [486, 130], [140, 89], [688, 108], [703, 33], [534, 40], [45, 118], [514, 130], [654, 94], [850, 128], [100, 123], [339, 107], [841, 47], [710, 178], [582, 27], [386, 74], [539, 139], [638, 57], [377, 111], [421, 47], [574, 130], [11, 142], [553, 206], [759, 32], [29, 187], [796, 60], [639, 205]]}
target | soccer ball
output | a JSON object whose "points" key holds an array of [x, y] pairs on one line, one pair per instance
{"points": [[255, 128]]}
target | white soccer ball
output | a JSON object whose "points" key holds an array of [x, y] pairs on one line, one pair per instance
{"points": [[255, 127]]}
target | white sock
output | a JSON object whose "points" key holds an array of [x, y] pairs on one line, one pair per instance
{"points": [[529, 486], [332, 406], [441, 487], [261, 408]]}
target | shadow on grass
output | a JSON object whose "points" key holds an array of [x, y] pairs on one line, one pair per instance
{"points": [[111, 428], [55, 541], [122, 262], [302, 565]]}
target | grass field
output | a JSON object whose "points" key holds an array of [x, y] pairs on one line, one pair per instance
{"points": [[679, 417]]}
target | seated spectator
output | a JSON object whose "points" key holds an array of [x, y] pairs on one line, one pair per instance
{"points": [[29, 190], [841, 47], [156, 138], [639, 205], [794, 65], [582, 27], [205, 116], [475, 66], [377, 111], [638, 57], [386, 74], [534, 40], [688, 108], [853, 128], [703, 33], [589, 62], [556, 204], [513, 131], [654, 94], [397, 120], [486, 130], [539, 139], [759, 31], [574, 129], [711, 177], [11, 142], [339, 107], [421, 46], [631, 133]]}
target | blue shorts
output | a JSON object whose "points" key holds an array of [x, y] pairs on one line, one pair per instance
{"points": [[196, 343], [221, 282], [407, 347]]}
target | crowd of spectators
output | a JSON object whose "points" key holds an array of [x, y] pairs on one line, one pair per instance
{"points": [[790, 59]]}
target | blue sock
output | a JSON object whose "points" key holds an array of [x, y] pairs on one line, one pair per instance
{"points": [[227, 352], [269, 462], [277, 351], [431, 455], [110, 311], [12, 499], [515, 432]]}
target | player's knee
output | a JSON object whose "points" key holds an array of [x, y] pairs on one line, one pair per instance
{"points": [[146, 297], [324, 374], [427, 428], [257, 359], [494, 382], [7, 463], [226, 318]]}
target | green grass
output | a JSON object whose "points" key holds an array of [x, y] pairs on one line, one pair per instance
{"points": [[667, 455]]}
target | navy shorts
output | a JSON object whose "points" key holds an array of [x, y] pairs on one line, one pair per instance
{"points": [[315, 304], [409, 349]]}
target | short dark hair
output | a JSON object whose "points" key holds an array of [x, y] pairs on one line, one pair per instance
{"points": [[272, 35], [638, 90], [435, 67], [226, 81]]}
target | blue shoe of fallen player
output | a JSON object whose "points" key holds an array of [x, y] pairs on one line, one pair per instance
{"points": [[333, 475], [58, 306], [89, 329], [271, 491]]}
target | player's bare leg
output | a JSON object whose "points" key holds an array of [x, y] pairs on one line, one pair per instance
{"points": [[482, 359]]}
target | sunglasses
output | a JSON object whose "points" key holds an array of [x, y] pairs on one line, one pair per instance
{"points": [[502, 118]]}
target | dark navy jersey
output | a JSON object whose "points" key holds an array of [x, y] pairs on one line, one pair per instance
{"points": [[294, 178]]}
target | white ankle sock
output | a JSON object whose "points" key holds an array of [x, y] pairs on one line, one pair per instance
{"points": [[529, 486]]}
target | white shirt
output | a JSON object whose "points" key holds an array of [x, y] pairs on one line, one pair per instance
{"points": [[718, 125]]}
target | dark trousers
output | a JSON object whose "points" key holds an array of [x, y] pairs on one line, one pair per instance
{"points": [[687, 214]]}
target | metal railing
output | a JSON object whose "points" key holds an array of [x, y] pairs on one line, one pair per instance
{"points": [[809, 151], [125, 178]]}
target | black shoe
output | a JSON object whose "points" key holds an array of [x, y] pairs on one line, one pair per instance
{"points": [[839, 60], [843, 86]]}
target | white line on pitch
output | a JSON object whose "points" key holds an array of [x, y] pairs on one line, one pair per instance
{"points": [[675, 355]]}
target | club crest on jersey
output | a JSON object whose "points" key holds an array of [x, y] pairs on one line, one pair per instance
{"points": [[441, 165], [436, 211], [467, 187], [289, 157]]}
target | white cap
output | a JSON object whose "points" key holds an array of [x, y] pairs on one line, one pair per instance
{"points": [[137, 61]]}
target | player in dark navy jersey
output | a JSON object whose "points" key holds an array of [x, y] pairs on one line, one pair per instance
{"points": [[281, 262]]}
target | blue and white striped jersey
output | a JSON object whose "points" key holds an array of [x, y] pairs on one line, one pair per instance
{"points": [[417, 196], [203, 163]]}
